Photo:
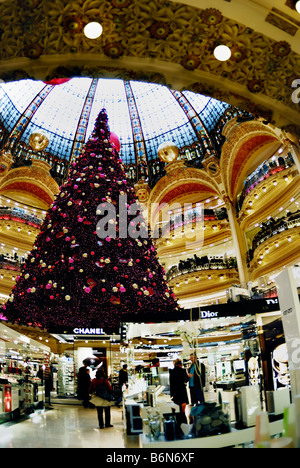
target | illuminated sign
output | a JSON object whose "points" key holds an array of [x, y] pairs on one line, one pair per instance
{"points": [[272, 301], [88, 331], [208, 314]]}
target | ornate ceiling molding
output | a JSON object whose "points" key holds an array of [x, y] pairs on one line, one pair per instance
{"points": [[166, 42]]}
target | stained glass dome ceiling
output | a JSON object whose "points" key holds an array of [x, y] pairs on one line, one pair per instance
{"points": [[143, 115]]}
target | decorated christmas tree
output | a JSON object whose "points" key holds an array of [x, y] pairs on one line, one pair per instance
{"points": [[93, 263]]}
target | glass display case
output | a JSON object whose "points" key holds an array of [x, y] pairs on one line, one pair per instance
{"points": [[23, 364]]}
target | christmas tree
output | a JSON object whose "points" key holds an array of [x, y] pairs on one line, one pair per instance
{"points": [[93, 262]]}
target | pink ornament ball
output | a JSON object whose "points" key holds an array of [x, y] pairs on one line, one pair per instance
{"points": [[114, 139]]}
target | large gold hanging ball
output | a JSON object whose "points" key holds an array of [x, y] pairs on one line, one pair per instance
{"points": [[168, 152], [38, 141]]}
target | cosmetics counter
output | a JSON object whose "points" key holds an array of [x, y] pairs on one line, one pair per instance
{"points": [[246, 375], [23, 367]]}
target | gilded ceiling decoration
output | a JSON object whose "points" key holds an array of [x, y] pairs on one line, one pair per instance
{"points": [[149, 33]]}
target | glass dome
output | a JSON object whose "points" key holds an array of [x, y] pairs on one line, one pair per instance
{"points": [[142, 115]]}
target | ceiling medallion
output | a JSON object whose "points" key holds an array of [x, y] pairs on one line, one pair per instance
{"points": [[255, 86], [211, 16], [281, 49], [120, 3], [114, 50], [73, 24], [33, 51], [160, 30], [190, 62]]}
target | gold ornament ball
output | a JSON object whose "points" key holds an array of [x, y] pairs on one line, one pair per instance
{"points": [[168, 152], [38, 141]]}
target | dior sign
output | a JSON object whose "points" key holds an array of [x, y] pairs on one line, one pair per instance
{"points": [[208, 314]]}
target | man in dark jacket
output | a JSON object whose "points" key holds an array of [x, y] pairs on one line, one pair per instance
{"points": [[83, 382], [178, 381], [123, 380], [196, 375]]}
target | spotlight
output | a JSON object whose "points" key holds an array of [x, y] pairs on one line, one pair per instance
{"points": [[222, 53], [297, 5], [93, 30]]}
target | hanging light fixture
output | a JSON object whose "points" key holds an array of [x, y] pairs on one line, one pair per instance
{"points": [[222, 53], [297, 5], [93, 30]]}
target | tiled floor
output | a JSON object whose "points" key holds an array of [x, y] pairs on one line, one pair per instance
{"points": [[66, 426]]}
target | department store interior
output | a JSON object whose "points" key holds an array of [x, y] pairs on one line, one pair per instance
{"points": [[213, 142]]}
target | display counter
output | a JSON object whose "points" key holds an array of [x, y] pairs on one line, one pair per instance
{"points": [[232, 439], [230, 384]]}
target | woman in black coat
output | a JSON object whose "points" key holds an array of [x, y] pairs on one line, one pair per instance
{"points": [[178, 381]]}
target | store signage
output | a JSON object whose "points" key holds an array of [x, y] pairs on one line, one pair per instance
{"points": [[208, 314], [272, 301], [88, 331]]}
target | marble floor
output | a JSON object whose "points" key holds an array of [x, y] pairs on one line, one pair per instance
{"points": [[66, 426]]}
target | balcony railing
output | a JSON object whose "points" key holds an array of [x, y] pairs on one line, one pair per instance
{"points": [[192, 217], [196, 263], [262, 173], [271, 228], [12, 214]]}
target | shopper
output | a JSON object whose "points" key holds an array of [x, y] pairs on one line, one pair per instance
{"points": [[196, 375], [123, 380], [155, 362], [48, 385], [178, 381], [123, 376], [83, 385], [99, 387]]}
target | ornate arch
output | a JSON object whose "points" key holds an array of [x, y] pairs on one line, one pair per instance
{"points": [[180, 183], [35, 181], [244, 142]]}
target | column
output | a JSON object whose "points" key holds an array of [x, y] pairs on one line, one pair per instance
{"points": [[239, 245]]}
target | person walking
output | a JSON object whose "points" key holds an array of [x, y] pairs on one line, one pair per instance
{"points": [[83, 385], [178, 381], [196, 375], [101, 388], [123, 380]]}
